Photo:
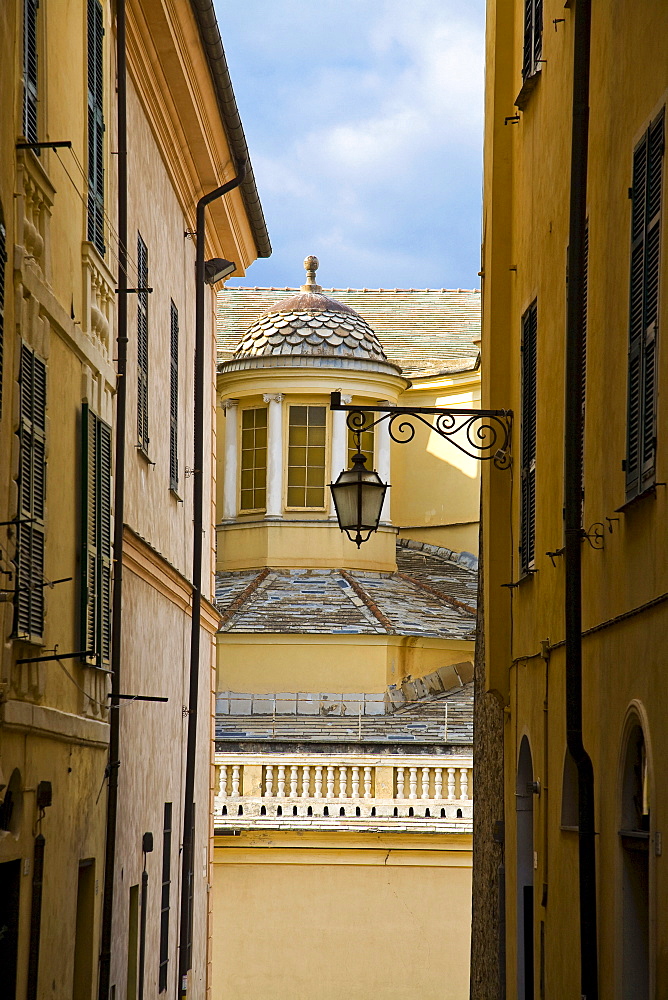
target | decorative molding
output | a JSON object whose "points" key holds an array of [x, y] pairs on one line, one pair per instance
{"points": [[34, 199], [228, 404], [41, 721], [273, 397], [98, 298]]}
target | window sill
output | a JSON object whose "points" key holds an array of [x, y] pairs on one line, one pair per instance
{"points": [[174, 495], [529, 84], [139, 448], [649, 491]]}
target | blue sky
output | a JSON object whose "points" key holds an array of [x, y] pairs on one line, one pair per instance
{"points": [[364, 124]]}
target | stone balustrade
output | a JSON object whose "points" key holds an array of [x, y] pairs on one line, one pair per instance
{"points": [[303, 789]]}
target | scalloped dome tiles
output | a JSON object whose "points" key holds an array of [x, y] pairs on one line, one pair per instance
{"points": [[311, 324]]}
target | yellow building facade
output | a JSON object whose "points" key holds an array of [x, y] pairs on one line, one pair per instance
{"points": [[59, 295], [581, 697], [344, 792]]}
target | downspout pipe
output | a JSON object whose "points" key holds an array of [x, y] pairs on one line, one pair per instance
{"points": [[573, 464], [198, 466], [119, 504]]}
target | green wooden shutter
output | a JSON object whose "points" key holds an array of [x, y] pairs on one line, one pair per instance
{"points": [[95, 126], [174, 400], [95, 566], [142, 346], [30, 70], [3, 261], [528, 466], [644, 309], [29, 599]]}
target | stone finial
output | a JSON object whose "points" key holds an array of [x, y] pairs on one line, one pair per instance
{"points": [[311, 265]]}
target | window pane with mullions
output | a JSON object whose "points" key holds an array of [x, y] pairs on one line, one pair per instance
{"points": [[254, 459], [306, 456]]}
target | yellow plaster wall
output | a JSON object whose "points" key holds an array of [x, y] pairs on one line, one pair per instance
{"points": [[526, 201], [336, 917], [338, 662]]}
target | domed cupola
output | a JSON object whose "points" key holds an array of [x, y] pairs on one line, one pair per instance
{"points": [[313, 326]]}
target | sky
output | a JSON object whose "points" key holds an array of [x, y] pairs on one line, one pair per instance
{"points": [[364, 125]]}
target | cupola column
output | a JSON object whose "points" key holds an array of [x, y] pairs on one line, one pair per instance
{"points": [[274, 454], [339, 448], [383, 458], [230, 406]]}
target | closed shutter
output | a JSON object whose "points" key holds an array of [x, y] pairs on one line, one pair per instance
{"points": [[29, 599], [95, 126], [174, 400], [30, 70], [528, 470], [644, 309], [142, 346], [95, 539], [164, 901], [3, 261], [532, 47]]}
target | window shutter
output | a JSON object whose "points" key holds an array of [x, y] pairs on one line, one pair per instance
{"points": [[174, 400], [528, 471], [142, 346], [95, 126], [537, 32], [164, 902], [528, 40], [644, 308], [29, 602], [30, 70], [3, 261], [95, 538]]}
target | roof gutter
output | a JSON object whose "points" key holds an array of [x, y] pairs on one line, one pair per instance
{"points": [[205, 16]]}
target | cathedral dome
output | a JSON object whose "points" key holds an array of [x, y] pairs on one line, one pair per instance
{"points": [[310, 324]]}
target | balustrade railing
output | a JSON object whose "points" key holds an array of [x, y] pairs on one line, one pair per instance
{"points": [[303, 787]]}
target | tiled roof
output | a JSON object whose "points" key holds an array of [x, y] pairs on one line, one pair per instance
{"points": [[419, 722], [435, 600], [421, 330]]}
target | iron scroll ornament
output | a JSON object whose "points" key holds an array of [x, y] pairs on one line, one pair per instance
{"points": [[481, 434]]}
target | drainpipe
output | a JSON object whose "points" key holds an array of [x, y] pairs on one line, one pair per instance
{"points": [[198, 465], [35, 917], [573, 502], [119, 501]]}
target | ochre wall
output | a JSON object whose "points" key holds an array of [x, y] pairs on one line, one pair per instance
{"points": [[335, 918]]}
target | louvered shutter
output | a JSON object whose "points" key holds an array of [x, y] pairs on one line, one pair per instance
{"points": [[95, 126], [174, 400], [3, 261], [527, 51], [30, 70], [29, 600], [95, 538], [537, 32], [142, 346], [528, 470], [164, 901], [644, 309]]}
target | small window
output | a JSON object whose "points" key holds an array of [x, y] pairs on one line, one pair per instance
{"points": [[254, 459], [645, 259], [306, 457], [142, 346], [533, 37], [30, 70], [528, 433], [366, 446]]}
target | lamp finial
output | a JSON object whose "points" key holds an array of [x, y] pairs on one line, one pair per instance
{"points": [[311, 265]]}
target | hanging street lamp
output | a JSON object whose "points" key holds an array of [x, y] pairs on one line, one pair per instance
{"points": [[358, 493]]}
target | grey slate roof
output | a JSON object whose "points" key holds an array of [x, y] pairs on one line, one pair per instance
{"points": [[422, 722], [421, 330], [436, 599]]}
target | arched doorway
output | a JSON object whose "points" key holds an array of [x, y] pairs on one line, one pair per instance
{"points": [[634, 837], [524, 807]]}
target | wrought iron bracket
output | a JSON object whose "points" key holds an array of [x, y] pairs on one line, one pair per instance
{"points": [[481, 434]]}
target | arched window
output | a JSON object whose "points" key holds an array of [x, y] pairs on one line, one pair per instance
{"points": [[524, 807], [634, 837]]}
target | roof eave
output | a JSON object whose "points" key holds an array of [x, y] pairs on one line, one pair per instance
{"points": [[207, 24]]}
